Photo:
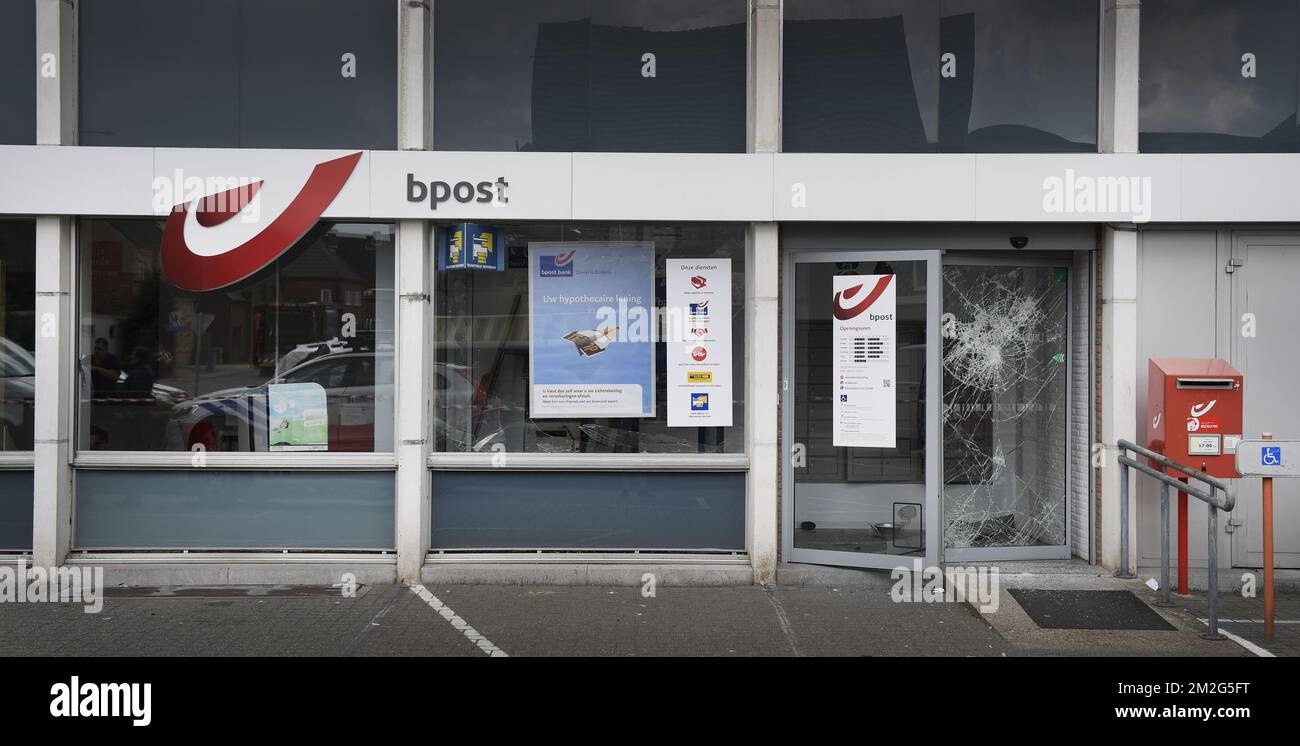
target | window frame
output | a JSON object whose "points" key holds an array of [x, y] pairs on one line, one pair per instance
{"points": [[515, 461], [82, 458]]}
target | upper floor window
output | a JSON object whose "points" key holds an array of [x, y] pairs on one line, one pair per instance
{"points": [[18, 70], [940, 76], [283, 74], [1218, 77], [590, 75]]}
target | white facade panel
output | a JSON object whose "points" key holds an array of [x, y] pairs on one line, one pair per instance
{"points": [[887, 187], [58, 180], [672, 186]]}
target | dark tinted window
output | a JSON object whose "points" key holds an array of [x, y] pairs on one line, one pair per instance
{"points": [[953, 76], [573, 75], [18, 73], [1024, 76], [860, 77], [17, 335], [1197, 92], [268, 73]]}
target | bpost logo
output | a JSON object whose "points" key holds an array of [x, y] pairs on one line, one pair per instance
{"points": [[558, 265], [190, 270], [1197, 419], [844, 314]]}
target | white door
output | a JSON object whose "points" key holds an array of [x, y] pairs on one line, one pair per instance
{"points": [[1268, 356]]}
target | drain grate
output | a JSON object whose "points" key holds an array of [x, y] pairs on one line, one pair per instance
{"points": [[1088, 610], [226, 591]]}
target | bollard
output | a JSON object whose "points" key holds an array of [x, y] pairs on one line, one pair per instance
{"points": [[1124, 571], [1212, 577], [1164, 547]]}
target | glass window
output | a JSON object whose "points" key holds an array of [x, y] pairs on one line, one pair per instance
{"points": [[1218, 77], [18, 70], [860, 77], [285, 73], [589, 75], [1023, 76], [17, 334], [263, 365], [940, 75], [484, 360]]}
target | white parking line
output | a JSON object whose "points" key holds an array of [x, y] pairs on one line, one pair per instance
{"points": [[1247, 644], [445, 611]]}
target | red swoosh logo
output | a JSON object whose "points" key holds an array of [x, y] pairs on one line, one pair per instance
{"points": [[844, 314], [189, 271]]}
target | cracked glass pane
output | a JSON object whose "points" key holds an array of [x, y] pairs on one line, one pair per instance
{"points": [[1005, 351]]}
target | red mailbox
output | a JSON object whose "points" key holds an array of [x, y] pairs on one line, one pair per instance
{"points": [[1194, 413]]}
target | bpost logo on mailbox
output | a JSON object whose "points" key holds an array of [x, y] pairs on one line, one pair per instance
{"points": [[188, 269], [558, 265]]}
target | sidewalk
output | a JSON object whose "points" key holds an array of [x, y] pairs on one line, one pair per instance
{"points": [[395, 620]]}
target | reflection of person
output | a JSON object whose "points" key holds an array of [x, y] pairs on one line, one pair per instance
{"points": [[104, 370], [140, 377]]}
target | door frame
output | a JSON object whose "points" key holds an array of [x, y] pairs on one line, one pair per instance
{"points": [[933, 259], [1010, 553]]}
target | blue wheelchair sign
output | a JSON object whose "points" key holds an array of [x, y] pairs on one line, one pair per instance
{"points": [[1270, 456]]}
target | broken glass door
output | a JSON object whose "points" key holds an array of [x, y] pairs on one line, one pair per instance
{"points": [[1006, 346]]}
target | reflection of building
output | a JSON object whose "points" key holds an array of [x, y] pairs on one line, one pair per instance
{"points": [[588, 91]]}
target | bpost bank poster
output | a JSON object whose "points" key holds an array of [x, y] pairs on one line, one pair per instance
{"points": [[591, 327], [863, 398]]}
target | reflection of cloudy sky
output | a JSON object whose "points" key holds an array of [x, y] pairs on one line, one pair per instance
{"points": [[1191, 66], [484, 57], [1035, 65]]}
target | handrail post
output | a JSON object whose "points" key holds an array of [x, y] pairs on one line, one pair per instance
{"points": [[1212, 579], [1164, 546], [1124, 571]]}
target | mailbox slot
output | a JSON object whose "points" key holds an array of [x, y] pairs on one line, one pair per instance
{"points": [[1206, 383]]}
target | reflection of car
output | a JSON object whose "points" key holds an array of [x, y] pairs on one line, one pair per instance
{"points": [[18, 394], [236, 419]]}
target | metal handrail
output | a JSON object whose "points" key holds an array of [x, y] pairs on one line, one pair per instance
{"points": [[1218, 496]]}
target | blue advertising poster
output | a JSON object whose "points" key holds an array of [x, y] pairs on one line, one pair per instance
{"points": [[471, 246], [591, 329]]}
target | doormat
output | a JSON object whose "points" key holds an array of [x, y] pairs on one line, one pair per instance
{"points": [[1088, 610]]}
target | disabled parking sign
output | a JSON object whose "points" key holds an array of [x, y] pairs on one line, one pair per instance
{"points": [[1268, 458]]}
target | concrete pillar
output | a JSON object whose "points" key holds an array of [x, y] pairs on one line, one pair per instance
{"points": [[762, 290], [56, 52], [1119, 262], [56, 124], [414, 75], [52, 514], [762, 398], [1118, 382], [413, 384], [1119, 76]]}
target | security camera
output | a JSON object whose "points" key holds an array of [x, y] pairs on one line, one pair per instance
{"points": [[1019, 242]]}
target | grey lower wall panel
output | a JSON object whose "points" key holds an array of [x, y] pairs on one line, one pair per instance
{"points": [[16, 510], [588, 510], [201, 509]]}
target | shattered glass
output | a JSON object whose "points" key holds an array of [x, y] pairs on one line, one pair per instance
{"points": [[1005, 351]]}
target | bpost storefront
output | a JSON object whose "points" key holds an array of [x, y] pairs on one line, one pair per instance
{"points": [[567, 291]]}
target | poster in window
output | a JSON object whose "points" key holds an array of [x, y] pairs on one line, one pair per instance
{"points": [[863, 396], [297, 417], [591, 329], [697, 335]]}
